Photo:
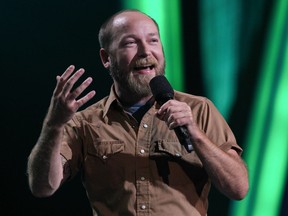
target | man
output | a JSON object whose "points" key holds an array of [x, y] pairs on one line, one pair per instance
{"points": [[130, 158]]}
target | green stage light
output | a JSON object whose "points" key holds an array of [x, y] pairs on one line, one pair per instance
{"points": [[267, 140], [219, 32]]}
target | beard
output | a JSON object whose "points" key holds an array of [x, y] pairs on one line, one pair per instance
{"points": [[135, 86]]}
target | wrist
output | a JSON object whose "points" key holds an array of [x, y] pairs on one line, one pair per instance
{"points": [[52, 126], [195, 132]]}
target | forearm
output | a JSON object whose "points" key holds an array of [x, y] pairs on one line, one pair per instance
{"points": [[45, 170], [226, 169]]}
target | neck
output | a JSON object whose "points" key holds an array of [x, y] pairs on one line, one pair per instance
{"points": [[128, 98]]}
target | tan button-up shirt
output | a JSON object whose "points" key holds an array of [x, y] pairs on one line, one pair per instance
{"points": [[140, 168]]}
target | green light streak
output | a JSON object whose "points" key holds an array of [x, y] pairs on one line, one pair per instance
{"points": [[167, 15], [219, 29], [274, 167], [266, 144], [268, 199]]}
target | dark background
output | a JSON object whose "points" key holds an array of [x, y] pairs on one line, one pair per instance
{"points": [[39, 40]]}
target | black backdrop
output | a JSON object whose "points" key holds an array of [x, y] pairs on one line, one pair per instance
{"points": [[39, 39]]}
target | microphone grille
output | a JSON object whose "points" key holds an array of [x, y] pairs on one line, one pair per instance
{"points": [[161, 88]]}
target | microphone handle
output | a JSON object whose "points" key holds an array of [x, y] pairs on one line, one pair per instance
{"points": [[181, 131], [184, 137]]}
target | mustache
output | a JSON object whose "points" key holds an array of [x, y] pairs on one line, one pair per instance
{"points": [[144, 62]]}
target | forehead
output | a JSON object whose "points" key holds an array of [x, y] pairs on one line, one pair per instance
{"points": [[129, 22]]}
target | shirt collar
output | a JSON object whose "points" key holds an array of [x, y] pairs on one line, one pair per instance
{"points": [[112, 99]]}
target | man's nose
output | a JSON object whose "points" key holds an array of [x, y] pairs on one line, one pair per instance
{"points": [[143, 49]]}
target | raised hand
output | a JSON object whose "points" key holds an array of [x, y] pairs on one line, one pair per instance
{"points": [[65, 102]]}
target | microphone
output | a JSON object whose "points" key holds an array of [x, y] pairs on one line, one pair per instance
{"points": [[162, 92]]}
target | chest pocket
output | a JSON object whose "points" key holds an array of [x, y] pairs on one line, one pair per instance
{"points": [[105, 149], [174, 150], [170, 147]]}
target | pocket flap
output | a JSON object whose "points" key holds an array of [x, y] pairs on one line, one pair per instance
{"points": [[106, 148]]}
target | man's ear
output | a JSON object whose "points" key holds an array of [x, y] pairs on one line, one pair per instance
{"points": [[104, 55]]}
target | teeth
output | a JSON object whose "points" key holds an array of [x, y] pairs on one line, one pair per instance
{"points": [[145, 66]]}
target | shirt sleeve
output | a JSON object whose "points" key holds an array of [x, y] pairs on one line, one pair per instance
{"points": [[71, 147], [216, 128]]}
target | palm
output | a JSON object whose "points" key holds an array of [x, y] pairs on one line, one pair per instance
{"points": [[65, 102]]}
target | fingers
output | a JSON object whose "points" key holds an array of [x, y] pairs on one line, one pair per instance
{"points": [[66, 81], [78, 91], [64, 86], [72, 80], [86, 98], [63, 103], [61, 80], [175, 113], [177, 119], [73, 95], [68, 72]]}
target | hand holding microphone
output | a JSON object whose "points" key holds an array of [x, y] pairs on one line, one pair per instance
{"points": [[174, 113]]}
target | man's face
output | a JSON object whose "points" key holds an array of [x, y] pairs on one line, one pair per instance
{"points": [[136, 53]]}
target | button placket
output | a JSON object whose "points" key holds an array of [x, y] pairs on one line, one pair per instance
{"points": [[143, 150], [142, 169]]}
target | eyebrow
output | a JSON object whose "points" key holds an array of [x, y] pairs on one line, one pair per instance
{"points": [[153, 34], [134, 35]]}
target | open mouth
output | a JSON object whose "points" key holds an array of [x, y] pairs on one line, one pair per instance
{"points": [[144, 67]]}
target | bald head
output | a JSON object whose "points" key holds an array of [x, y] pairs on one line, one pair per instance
{"points": [[117, 23]]}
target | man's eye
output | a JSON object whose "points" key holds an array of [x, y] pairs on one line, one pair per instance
{"points": [[154, 40], [129, 42]]}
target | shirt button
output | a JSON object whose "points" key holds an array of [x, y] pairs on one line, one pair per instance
{"points": [[143, 207], [145, 126], [142, 151], [142, 178], [104, 157]]}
